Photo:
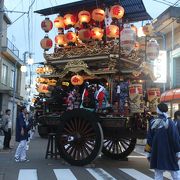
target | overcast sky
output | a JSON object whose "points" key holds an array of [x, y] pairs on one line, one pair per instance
{"points": [[18, 31]]}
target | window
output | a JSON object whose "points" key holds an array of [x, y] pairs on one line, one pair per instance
{"points": [[4, 74], [12, 79]]}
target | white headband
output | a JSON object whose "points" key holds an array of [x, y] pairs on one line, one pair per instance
{"points": [[160, 112]]}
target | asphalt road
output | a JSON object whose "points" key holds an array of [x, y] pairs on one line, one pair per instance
{"points": [[39, 168]]}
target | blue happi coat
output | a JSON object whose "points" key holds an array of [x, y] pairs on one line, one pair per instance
{"points": [[164, 141], [20, 123]]}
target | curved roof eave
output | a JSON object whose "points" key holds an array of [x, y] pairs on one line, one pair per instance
{"points": [[134, 9]]}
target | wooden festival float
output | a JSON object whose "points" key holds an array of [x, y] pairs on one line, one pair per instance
{"points": [[94, 88]]}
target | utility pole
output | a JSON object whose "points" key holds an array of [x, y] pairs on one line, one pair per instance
{"points": [[1, 22], [1, 33]]}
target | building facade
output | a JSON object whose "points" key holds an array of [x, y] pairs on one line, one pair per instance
{"points": [[12, 86], [167, 28]]}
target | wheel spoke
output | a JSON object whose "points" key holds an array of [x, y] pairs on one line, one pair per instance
{"points": [[71, 122], [76, 125], [69, 127]]}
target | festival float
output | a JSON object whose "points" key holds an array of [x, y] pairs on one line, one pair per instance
{"points": [[96, 87]]}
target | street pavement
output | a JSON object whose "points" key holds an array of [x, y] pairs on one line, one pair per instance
{"points": [[103, 168]]}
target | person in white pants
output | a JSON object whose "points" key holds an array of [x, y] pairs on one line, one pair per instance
{"points": [[21, 136]]}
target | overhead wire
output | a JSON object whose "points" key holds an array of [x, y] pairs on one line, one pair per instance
{"points": [[29, 23], [17, 5], [172, 20]]}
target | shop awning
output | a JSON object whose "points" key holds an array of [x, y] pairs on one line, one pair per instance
{"points": [[171, 95]]}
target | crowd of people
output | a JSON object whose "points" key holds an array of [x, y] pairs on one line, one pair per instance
{"points": [[24, 131]]}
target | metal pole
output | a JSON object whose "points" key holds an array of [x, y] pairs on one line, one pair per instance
{"points": [[1, 22], [14, 94], [171, 58]]}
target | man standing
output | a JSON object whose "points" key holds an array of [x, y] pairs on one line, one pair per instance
{"points": [[163, 144], [21, 136], [7, 124]]}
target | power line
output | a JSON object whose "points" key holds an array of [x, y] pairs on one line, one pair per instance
{"points": [[17, 5], [162, 2]]}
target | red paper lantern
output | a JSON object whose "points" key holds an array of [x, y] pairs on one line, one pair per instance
{"points": [[97, 33], [60, 40], [84, 34], [152, 49], [42, 88], [46, 43], [59, 22], [69, 20], [98, 15], [84, 17], [112, 31], [70, 37], [117, 11], [77, 80], [46, 25]]}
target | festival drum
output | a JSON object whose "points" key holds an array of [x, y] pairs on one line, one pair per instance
{"points": [[153, 98], [136, 98]]}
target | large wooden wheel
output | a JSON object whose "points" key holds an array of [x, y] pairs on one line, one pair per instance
{"points": [[118, 148], [80, 138]]}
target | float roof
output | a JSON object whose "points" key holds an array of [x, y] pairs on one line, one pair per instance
{"points": [[134, 9]]}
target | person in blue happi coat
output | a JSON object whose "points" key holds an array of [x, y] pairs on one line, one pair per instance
{"points": [[163, 144], [21, 136]]}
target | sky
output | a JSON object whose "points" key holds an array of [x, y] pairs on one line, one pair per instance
{"points": [[18, 31]]}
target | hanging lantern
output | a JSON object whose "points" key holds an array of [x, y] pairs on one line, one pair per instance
{"points": [[134, 28], [46, 43], [52, 82], [60, 40], [59, 22], [41, 80], [98, 15], [77, 80], [38, 79], [84, 17], [42, 88], [128, 38], [112, 31], [46, 80], [152, 50], [153, 98], [39, 70], [147, 29], [97, 33], [69, 20], [136, 98], [117, 11], [84, 35], [46, 25], [70, 37]]}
